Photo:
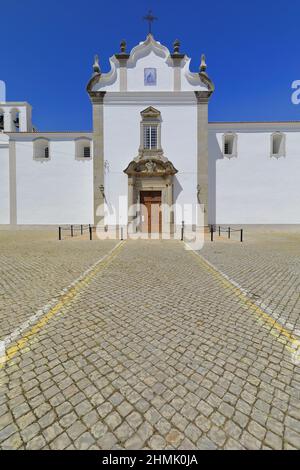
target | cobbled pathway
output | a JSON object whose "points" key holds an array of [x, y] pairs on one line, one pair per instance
{"points": [[154, 352]]}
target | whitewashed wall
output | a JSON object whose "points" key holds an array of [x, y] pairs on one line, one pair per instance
{"points": [[165, 74], [4, 180], [254, 188], [54, 191]]}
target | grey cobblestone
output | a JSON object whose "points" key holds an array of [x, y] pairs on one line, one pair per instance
{"points": [[137, 360]]}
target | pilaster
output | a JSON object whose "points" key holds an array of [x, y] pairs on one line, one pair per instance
{"points": [[202, 152], [98, 157], [12, 184], [177, 58]]}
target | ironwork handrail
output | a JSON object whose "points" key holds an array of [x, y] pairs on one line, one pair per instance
{"points": [[228, 230], [72, 228]]}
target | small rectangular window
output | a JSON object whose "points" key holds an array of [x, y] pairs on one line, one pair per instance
{"points": [[46, 152], [150, 137], [226, 148], [229, 144], [86, 152]]}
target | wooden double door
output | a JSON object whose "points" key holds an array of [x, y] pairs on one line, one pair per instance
{"points": [[151, 219]]}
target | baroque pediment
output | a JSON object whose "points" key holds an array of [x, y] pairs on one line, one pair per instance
{"points": [[150, 167], [150, 112]]}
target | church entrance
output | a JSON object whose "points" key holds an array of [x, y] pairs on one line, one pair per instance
{"points": [[151, 217]]}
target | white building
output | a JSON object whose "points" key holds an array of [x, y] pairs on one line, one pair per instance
{"points": [[152, 148]]}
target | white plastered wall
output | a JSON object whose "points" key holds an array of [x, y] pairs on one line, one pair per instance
{"points": [[122, 140], [254, 188], [58, 190], [4, 180]]}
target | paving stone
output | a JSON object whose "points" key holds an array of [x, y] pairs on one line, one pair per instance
{"points": [[30, 432], [107, 441], [61, 442], [134, 419], [75, 430], [123, 432], [99, 430], [157, 442], [113, 420], [85, 441], [173, 361], [274, 441]]}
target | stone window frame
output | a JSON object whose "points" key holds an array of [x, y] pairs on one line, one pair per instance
{"points": [[234, 136], [282, 150], [37, 149], [151, 117]]}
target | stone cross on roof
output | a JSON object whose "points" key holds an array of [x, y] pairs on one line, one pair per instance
{"points": [[150, 18]]}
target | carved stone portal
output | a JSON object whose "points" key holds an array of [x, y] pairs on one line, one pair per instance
{"points": [[151, 173], [150, 167]]}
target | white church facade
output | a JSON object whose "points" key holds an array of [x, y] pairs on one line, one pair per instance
{"points": [[151, 158]]}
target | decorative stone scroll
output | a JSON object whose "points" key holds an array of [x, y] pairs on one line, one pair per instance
{"points": [[150, 167]]}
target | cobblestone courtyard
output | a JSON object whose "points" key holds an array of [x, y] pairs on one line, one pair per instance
{"points": [[152, 348]]}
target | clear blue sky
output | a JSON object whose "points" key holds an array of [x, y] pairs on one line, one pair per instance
{"points": [[252, 50]]}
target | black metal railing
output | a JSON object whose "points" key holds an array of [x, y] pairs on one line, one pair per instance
{"points": [[75, 230], [228, 230]]}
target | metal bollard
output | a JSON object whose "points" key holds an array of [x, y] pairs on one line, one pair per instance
{"points": [[122, 238], [211, 233], [182, 230], [59, 233], [91, 232], [72, 231], [228, 232], [81, 229], [219, 231], [241, 235]]}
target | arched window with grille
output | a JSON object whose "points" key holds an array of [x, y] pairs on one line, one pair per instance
{"points": [[41, 148], [230, 145], [83, 148]]}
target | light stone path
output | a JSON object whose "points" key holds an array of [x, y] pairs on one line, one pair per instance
{"points": [[153, 353], [267, 265], [35, 267]]}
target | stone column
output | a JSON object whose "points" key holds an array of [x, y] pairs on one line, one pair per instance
{"points": [[202, 152], [170, 204], [7, 120], [177, 59], [130, 200], [123, 74], [98, 157], [177, 74], [12, 184]]}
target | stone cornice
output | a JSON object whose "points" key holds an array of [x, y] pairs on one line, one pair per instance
{"points": [[30, 136], [15, 103], [203, 96], [150, 98], [122, 57], [97, 97], [266, 126], [177, 56]]}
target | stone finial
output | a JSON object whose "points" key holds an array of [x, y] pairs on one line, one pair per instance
{"points": [[123, 47], [203, 65], [176, 46], [96, 66]]}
